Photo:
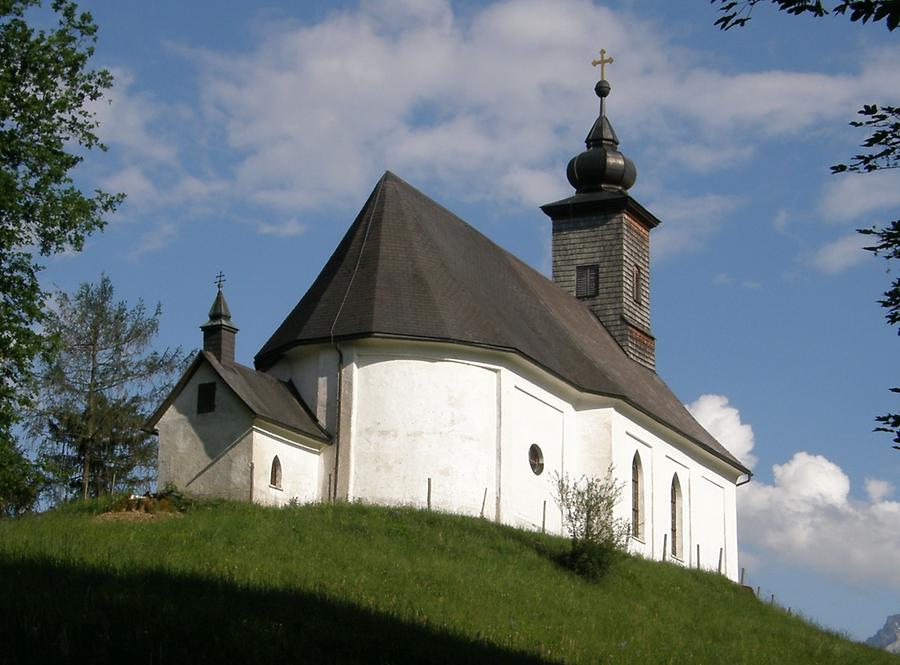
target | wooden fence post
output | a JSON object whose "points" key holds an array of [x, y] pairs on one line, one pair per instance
{"points": [[665, 545], [698, 556], [483, 500], [743, 570], [429, 493], [544, 518], [720, 560]]}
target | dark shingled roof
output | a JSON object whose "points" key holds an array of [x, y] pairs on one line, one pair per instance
{"points": [[410, 268], [265, 396]]}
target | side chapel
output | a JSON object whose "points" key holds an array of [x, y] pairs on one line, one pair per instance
{"points": [[428, 366]]}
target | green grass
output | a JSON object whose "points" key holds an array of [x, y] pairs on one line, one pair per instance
{"points": [[353, 583]]}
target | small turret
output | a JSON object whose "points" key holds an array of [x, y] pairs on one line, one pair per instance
{"points": [[219, 332]]}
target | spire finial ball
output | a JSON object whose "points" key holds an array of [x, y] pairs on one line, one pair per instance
{"points": [[602, 89]]}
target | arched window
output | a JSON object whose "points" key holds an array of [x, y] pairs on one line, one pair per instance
{"points": [[676, 536], [637, 497], [275, 475]]}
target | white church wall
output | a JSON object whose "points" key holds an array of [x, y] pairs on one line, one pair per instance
{"points": [[592, 454], [301, 368], [299, 462], [421, 417], [414, 410], [531, 416], [207, 454], [327, 387], [707, 495]]}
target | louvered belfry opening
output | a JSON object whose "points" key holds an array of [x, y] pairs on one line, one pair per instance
{"points": [[601, 240]]}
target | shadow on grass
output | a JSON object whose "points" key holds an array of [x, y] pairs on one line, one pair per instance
{"points": [[56, 613], [589, 562]]}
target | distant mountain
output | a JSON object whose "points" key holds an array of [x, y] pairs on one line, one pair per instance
{"points": [[888, 638]]}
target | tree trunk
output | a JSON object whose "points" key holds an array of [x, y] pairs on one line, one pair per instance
{"points": [[85, 474]]}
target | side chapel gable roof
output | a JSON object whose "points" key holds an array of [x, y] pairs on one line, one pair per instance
{"points": [[410, 268], [267, 397]]}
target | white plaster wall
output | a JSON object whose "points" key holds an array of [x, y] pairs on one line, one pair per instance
{"points": [[707, 486], [300, 367], [531, 416], [414, 410], [206, 454], [417, 418], [592, 452], [299, 469], [313, 371]]}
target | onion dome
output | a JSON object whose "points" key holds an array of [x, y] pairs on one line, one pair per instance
{"points": [[601, 167]]}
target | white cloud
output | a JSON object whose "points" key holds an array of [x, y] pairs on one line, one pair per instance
{"points": [[705, 157], [854, 195], [690, 222], [155, 240], [724, 279], [126, 118], [291, 227], [878, 489], [723, 421], [134, 183], [781, 220], [807, 518], [840, 254], [532, 186], [491, 106]]}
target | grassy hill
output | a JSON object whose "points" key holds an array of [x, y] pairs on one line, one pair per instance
{"points": [[234, 583]]}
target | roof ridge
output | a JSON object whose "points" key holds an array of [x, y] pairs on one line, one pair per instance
{"points": [[362, 248]]}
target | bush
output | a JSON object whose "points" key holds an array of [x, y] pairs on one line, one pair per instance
{"points": [[597, 536]]}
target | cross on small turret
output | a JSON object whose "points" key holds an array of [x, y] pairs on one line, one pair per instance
{"points": [[603, 61], [220, 280]]}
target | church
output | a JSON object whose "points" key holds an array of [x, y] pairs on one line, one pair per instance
{"points": [[427, 366]]}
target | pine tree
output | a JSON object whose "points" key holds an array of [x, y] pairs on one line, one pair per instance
{"points": [[96, 392]]}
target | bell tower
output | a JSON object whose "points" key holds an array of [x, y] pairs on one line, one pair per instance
{"points": [[219, 332], [601, 237]]}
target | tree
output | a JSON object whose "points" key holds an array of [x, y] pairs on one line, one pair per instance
{"points": [[20, 480], [46, 126], [96, 392], [883, 143], [596, 535], [884, 146], [736, 13]]}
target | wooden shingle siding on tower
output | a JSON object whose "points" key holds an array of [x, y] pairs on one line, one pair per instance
{"points": [[615, 243]]}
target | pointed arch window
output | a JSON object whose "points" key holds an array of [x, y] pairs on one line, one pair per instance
{"points": [[637, 497], [275, 474], [676, 536]]}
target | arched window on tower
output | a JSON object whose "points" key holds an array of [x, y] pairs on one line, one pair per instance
{"points": [[637, 497], [677, 536], [275, 475]]}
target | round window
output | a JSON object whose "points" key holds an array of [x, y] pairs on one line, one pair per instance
{"points": [[536, 459]]}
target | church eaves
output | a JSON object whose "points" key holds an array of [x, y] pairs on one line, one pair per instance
{"points": [[409, 268]]}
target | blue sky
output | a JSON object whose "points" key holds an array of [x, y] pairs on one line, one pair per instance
{"points": [[248, 138]]}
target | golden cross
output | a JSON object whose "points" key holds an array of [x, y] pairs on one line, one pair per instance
{"points": [[603, 61]]}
